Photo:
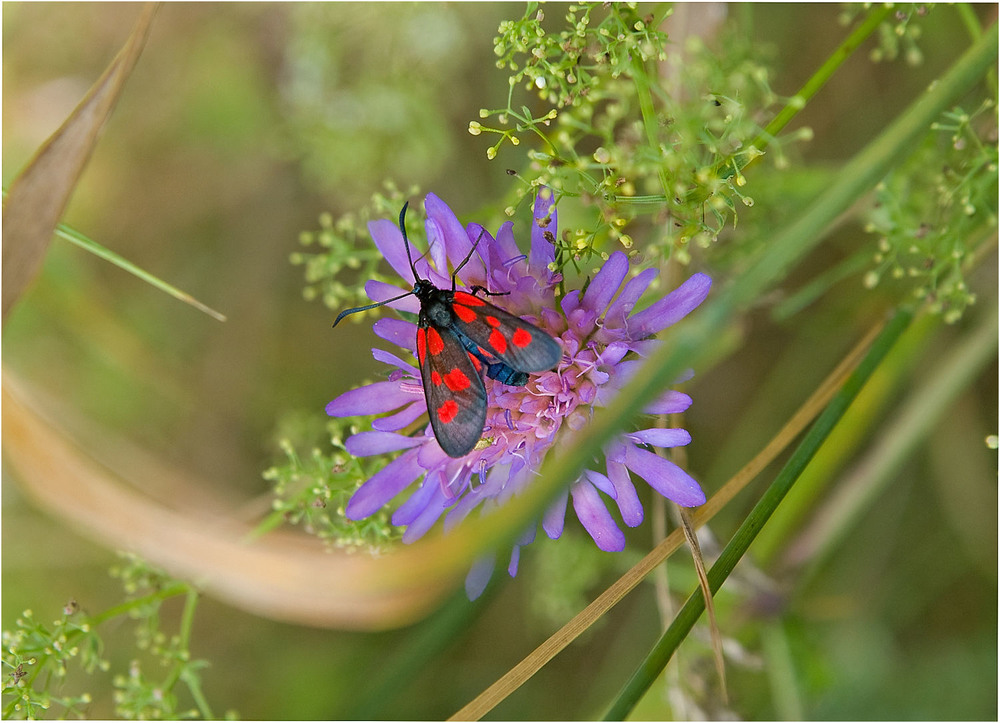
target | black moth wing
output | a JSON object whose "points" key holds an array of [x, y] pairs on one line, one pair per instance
{"points": [[520, 345], [453, 389]]}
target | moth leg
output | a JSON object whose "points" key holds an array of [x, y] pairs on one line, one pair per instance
{"points": [[476, 288]]}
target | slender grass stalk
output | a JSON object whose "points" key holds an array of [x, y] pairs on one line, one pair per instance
{"points": [[876, 16], [848, 439], [780, 670], [68, 233], [75, 237], [661, 653], [915, 421], [649, 121], [559, 640]]}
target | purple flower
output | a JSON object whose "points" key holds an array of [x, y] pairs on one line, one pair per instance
{"points": [[602, 342]]}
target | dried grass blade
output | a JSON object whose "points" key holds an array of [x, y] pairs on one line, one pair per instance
{"points": [[38, 196], [687, 527], [522, 672]]}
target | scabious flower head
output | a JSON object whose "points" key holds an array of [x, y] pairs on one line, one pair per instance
{"points": [[603, 342]]}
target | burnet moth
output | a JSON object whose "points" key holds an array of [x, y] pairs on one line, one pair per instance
{"points": [[460, 337]]}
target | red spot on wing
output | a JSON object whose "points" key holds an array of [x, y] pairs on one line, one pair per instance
{"points": [[447, 411], [435, 344], [436, 379], [493, 321], [464, 313], [456, 380], [475, 362], [421, 345], [521, 338], [463, 297], [498, 342]]}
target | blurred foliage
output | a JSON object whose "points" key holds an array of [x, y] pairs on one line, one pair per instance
{"points": [[245, 122], [313, 490], [936, 213], [41, 656]]}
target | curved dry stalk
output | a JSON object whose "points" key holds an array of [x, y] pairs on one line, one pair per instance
{"points": [[520, 673], [284, 576]]}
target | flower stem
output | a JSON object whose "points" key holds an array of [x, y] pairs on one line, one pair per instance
{"points": [[797, 102], [649, 122], [160, 595]]}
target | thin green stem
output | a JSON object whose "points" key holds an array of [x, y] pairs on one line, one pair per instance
{"points": [[170, 591], [969, 19], [661, 653], [648, 111], [183, 637], [914, 423], [812, 86], [70, 234], [194, 685]]}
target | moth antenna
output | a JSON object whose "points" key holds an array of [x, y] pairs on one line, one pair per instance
{"points": [[356, 309], [406, 241]]}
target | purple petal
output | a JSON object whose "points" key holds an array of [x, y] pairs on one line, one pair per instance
{"points": [[671, 308], [397, 331], [622, 306], [543, 252], [601, 482], [595, 518], [670, 403], [570, 302], [485, 251], [555, 516], [661, 437], [367, 444], [428, 516], [515, 558], [401, 419], [664, 476], [506, 247], [418, 501], [370, 399], [444, 227], [583, 321], [389, 241], [628, 498], [614, 352], [384, 485], [605, 284], [645, 347], [479, 576], [393, 360], [515, 554], [495, 479], [380, 291]]}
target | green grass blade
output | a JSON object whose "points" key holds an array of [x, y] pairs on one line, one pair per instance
{"points": [[75, 237], [661, 653]]}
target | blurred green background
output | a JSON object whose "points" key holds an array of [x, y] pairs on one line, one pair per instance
{"points": [[240, 124]]}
